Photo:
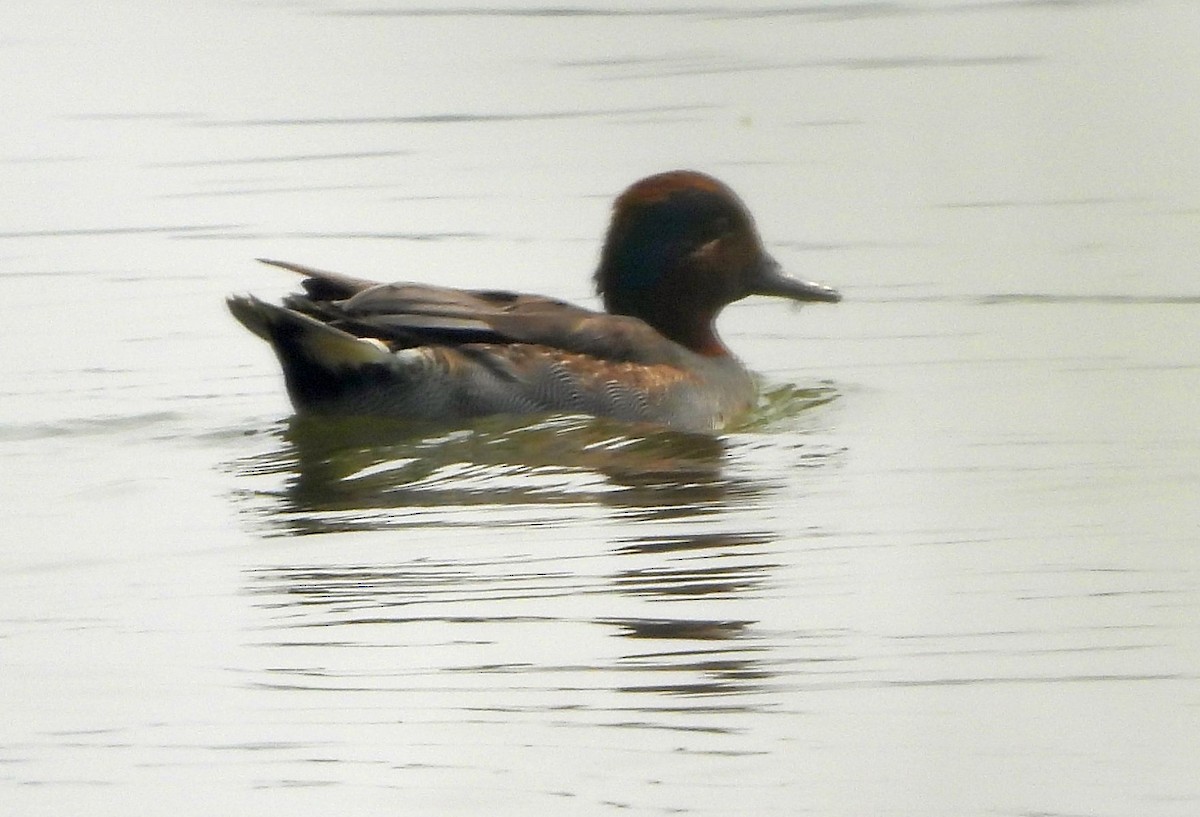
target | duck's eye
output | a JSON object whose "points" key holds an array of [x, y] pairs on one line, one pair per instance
{"points": [[709, 249]]}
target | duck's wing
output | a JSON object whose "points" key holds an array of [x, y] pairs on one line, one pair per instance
{"points": [[408, 315]]}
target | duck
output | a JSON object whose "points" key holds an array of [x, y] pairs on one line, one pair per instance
{"points": [[680, 247]]}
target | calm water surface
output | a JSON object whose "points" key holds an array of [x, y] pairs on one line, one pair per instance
{"points": [[951, 566]]}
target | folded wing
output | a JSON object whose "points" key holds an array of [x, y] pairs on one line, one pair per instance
{"points": [[407, 315]]}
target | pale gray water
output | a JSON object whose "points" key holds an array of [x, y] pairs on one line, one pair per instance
{"points": [[953, 568]]}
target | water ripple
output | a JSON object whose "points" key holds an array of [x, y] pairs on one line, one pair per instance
{"points": [[453, 118]]}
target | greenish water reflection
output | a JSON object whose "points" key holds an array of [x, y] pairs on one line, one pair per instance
{"points": [[337, 474]]}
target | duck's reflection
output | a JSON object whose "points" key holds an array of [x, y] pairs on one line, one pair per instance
{"points": [[323, 475], [689, 655], [679, 544], [696, 657], [350, 474], [708, 568]]}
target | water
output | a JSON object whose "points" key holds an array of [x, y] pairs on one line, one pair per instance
{"points": [[951, 567]]}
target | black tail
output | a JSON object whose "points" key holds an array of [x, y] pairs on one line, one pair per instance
{"points": [[320, 363]]}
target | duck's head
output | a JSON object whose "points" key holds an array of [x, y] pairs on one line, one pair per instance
{"points": [[680, 247]]}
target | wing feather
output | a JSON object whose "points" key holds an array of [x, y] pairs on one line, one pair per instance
{"points": [[407, 315]]}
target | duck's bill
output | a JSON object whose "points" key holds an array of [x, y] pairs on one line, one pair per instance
{"points": [[769, 279]]}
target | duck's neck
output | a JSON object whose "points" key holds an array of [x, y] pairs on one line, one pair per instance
{"points": [[693, 330], [700, 336]]}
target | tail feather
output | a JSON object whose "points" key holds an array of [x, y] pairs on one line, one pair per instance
{"points": [[252, 314], [292, 332], [324, 285], [323, 366]]}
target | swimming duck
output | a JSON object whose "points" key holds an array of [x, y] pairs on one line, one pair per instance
{"points": [[680, 247]]}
